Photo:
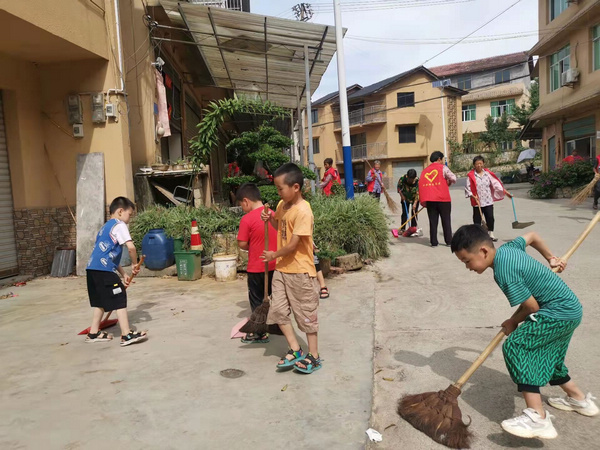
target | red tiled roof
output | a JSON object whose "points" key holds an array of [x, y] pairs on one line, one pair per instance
{"points": [[480, 65]]}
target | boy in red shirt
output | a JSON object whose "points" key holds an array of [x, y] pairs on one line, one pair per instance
{"points": [[251, 237]]}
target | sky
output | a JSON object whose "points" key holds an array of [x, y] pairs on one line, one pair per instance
{"points": [[369, 61]]}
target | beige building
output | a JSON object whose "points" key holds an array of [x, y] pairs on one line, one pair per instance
{"points": [[78, 78], [397, 121], [568, 117], [495, 86]]}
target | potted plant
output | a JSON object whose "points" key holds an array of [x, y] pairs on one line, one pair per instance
{"points": [[178, 165]]}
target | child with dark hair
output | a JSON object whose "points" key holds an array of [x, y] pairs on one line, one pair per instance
{"points": [[330, 177], [251, 237], [105, 289], [484, 188], [295, 286], [539, 331], [408, 188], [434, 194]]}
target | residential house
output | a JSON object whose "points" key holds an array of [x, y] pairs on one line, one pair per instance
{"points": [[397, 121], [569, 72], [82, 77], [495, 86]]}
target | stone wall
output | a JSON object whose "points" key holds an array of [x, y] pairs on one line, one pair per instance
{"points": [[38, 233], [452, 119]]}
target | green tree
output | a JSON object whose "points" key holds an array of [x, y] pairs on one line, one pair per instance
{"points": [[521, 114], [496, 132]]}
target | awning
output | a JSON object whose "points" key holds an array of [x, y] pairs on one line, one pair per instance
{"points": [[257, 56], [571, 102]]}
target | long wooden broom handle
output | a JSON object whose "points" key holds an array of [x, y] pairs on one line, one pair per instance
{"points": [[266, 296], [380, 179], [137, 266], [412, 217], [490, 348], [480, 211]]}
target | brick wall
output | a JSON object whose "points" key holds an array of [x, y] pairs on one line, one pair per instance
{"points": [[38, 233], [452, 119]]}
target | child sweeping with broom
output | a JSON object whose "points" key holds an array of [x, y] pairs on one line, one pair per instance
{"points": [[539, 331], [295, 286], [251, 237]]}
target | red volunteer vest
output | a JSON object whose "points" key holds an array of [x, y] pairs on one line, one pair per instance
{"points": [[335, 178], [433, 187], [371, 184], [471, 176]]}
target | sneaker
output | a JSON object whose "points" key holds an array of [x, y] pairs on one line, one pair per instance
{"points": [[494, 238], [530, 425], [586, 407]]}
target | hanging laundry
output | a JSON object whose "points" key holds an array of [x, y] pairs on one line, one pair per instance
{"points": [[163, 114]]}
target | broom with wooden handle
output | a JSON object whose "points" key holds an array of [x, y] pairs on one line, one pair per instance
{"points": [[257, 323], [585, 192], [437, 414], [392, 205], [109, 323], [483, 222]]}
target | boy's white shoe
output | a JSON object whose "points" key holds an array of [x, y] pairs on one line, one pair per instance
{"points": [[586, 407], [530, 425]]}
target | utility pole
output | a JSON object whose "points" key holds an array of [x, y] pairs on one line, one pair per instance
{"points": [[311, 162], [343, 97], [303, 11], [444, 126]]}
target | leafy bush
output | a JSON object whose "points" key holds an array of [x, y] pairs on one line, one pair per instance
{"points": [[350, 226], [573, 175], [238, 181], [308, 174], [177, 223], [269, 195]]}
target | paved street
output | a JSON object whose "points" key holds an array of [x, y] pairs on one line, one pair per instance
{"points": [[418, 319]]}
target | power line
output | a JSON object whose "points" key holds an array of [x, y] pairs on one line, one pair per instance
{"points": [[375, 6], [473, 32]]}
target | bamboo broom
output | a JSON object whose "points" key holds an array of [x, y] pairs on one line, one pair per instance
{"points": [[392, 205], [585, 192], [437, 414]]}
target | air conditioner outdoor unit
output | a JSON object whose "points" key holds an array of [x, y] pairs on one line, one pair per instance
{"points": [[569, 78]]}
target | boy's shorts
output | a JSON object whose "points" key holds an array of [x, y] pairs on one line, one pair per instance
{"points": [[535, 352], [106, 290], [297, 292]]}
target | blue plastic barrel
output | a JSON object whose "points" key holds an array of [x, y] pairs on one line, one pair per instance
{"points": [[158, 249]]}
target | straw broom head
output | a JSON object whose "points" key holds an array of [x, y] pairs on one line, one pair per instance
{"points": [[391, 203], [585, 192], [437, 415]]}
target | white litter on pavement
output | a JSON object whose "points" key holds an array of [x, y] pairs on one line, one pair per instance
{"points": [[374, 435]]}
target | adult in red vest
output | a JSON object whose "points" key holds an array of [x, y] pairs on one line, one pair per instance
{"points": [[375, 180], [573, 158], [597, 188], [434, 194], [485, 187], [330, 177]]}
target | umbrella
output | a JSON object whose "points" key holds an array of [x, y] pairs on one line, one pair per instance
{"points": [[526, 155]]}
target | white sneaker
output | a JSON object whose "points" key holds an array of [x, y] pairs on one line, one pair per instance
{"points": [[494, 238], [530, 425], [586, 407]]}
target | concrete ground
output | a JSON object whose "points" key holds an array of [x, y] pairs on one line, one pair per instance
{"points": [[410, 324]]}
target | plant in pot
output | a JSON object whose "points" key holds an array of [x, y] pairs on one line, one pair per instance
{"points": [[160, 166], [178, 165]]}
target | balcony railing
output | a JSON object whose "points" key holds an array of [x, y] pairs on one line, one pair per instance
{"points": [[363, 116], [366, 151]]}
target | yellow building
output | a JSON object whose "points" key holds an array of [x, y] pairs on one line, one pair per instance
{"points": [[495, 86], [569, 72], [397, 121]]}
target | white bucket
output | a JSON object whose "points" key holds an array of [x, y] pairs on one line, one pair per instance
{"points": [[225, 267]]}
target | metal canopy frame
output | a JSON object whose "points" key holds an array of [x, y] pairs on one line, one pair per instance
{"points": [[255, 56]]}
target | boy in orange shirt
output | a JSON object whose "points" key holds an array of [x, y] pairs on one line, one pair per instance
{"points": [[295, 286]]}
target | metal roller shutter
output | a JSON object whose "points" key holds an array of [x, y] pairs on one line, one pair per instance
{"points": [[8, 248], [401, 167]]}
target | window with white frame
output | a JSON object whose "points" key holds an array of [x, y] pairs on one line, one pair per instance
{"points": [[502, 107], [507, 145], [560, 62], [596, 47], [464, 82], [468, 113], [556, 7]]}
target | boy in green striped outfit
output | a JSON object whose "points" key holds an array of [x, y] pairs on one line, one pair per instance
{"points": [[549, 311]]}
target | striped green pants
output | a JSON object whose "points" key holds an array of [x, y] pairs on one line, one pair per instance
{"points": [[535, 352]]}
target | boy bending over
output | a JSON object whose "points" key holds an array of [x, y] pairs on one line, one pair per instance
{"points": [[295, 286], [538, 332]]}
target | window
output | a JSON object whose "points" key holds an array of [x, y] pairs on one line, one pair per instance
{"points": [[507, 145], [316, 148], [596, 47], [468, 112], [560, 62], [314, 114], [502, 76], [464, 82], [407, 134], [406, 99], [556, 7], [502, 107]]}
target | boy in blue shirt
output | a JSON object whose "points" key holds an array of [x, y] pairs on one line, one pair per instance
{"points": [[105, 289], [549, 312]]}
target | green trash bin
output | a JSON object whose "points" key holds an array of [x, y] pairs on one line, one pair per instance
{"points": [[189, 265]]}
